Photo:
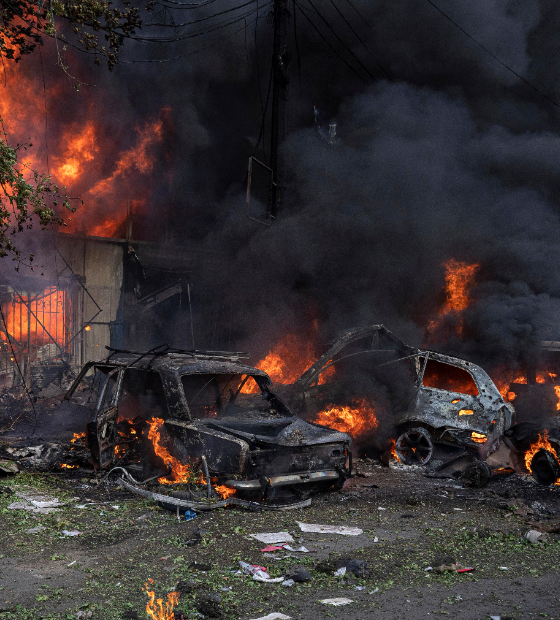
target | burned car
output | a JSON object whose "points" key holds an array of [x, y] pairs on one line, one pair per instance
{"points": [[166, 412], [434, 399]]}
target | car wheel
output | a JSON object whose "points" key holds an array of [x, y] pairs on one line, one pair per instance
{"points": [[414, 446], [545, 468]]}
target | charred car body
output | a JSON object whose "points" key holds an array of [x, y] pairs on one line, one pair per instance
{"points": [[434, 398], [201, 406]]}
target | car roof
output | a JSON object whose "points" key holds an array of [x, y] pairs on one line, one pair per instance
{"points": [[182, 363]]}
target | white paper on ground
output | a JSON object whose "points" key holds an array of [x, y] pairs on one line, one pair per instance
{"points": [[274, 616], [273, 537], [301, 549], [340, 572], [337, 601], [329, 529]]}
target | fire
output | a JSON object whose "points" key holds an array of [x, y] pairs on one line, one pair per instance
{"points": [[180, 472], [80, 148], [357, 419], [466, 412], [459, 280], [394, 450], [66, 466], [44, 316], [224, 491], [542, 442], [478, 437], [290, 358], [156, 608], [78, 438]]}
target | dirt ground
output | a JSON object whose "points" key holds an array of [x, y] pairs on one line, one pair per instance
{"points": [[409, 521]]}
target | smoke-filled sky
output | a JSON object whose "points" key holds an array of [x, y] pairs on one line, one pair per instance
{"points": [[452, 156]]}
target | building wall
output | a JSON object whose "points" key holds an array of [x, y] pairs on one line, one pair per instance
{"points": [[98, 265]]}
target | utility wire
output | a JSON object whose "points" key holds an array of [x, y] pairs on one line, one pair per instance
{"points": [[328, 43], [342, 42], [493, 55], [203, 19]]}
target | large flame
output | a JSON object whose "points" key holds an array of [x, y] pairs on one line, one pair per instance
{"points": [[290, 358], [180, 472], [542, 442], [459, 281], [109, 170], [43, 318], [354, 420], [156, 608]]}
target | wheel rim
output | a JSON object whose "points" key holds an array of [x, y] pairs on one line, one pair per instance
{"points": [[414, 447]]}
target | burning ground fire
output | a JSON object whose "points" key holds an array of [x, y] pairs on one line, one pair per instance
{"points": [[156, 608]]}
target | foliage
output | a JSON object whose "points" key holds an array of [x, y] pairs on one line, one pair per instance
{"points": [[22, 201], [23, 23]]}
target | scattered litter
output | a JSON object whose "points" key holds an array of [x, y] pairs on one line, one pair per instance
{"points": [[375, 539], [288, 583], [532, 536], [429, 568], [329, 529], [274, 616], [83, 614], [301, 549], [359, 587], [273, 538], [269, 548], [380, 508], [340, 572], [35, 530], [469, 569], [190, 515], [374, 591], [72, 563], [71, 532], [225, 589], [503, 567], [495, 617], [36, 503], [460, 509], [115, 507], [259, 573], [337, 602]]}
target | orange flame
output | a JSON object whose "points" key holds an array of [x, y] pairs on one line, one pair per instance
{"points": [[542, 442], [80, 148], [355, 420], [156, 608], [224, 491], [66, 466], [44, 316], [78, 438], [459, 280], [394, 450], [290, 358], [478, 437], [180, 472]]}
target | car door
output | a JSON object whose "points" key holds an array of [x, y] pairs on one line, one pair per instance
{"points": [[102, 432]]}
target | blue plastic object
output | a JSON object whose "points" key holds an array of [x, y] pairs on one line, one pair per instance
{"points": [[190, 515]]}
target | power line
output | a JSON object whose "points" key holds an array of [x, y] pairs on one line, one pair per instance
{"points": [[493, 55], [328, 43], [203, 19]]}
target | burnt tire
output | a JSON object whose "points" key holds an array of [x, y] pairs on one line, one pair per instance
{"points": [[414, 446], [545, 467], [476, 475]]}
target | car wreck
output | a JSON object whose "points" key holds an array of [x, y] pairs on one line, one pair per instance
{"points": [[176, 415], [435, 400]]}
